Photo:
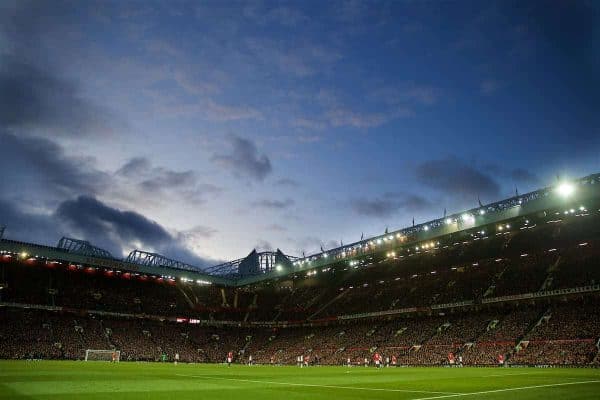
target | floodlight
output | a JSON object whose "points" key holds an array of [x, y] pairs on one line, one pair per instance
{"points": [[565, 189]]}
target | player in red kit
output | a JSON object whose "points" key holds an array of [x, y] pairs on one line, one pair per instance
{"points": [[229, 358], [377, 360], [394, 361]]}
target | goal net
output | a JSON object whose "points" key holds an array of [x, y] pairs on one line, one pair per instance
{"points": [[102, 355]]}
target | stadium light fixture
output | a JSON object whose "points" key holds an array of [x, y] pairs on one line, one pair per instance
{"points": [[448, 221], [481, 212], [426, 228], [278, 268], [565, 189]]}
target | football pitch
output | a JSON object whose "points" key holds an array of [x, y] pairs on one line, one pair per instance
{"points": [[99, 380]]}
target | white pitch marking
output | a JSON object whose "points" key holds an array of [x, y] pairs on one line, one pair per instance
{"points": [[507, 390], [320, 386]]}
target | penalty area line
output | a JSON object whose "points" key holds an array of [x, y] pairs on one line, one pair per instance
{"points": [[320, 386], [507, 390]]}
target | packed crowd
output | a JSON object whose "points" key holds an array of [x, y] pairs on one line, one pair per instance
{"points": [[559, 334]]}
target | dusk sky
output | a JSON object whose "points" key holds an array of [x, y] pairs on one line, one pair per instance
{"points": [[202, 130]]}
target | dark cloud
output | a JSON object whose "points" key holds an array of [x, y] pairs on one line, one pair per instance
{"points": [[34, 95], [454, 177], [274, 204], [160, 181], [245, 160], [90, 217], [120, 231], [40, 166], [389, 204], [41, 176], [112, 229]]}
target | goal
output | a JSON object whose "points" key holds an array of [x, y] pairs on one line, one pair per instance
{"points": [[102, 355]]}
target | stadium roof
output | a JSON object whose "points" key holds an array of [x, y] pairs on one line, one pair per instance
{"points": [[259, 267]]}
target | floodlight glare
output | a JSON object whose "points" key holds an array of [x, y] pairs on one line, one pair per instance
{"points": [[448, 221], [279, 268], [565, 189]]}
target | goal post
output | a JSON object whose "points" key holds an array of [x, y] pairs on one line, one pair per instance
{"points": [[102, 355]]}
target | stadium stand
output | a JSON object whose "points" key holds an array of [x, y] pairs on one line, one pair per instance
{"points": [[525, 291]]}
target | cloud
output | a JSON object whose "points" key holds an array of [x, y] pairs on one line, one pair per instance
{"points": [[41, 172], [209, 110], [245, 160], [90, 217], [454, 177], [107, 227], [380, 107], [274, 204], [160, 182], [302, 60], [120, 231], [34, 96], [40, 166], [287, 182], [53, 194], [389, 204]]}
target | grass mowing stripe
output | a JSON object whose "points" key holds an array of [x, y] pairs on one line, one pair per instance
{"points": [[507, 390], [503, 375], [319, 386]]}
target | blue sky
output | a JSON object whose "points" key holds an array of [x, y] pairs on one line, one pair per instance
{"points": [[204, 129]]}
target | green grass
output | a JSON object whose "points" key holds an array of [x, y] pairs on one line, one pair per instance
{"points": [[99, 380]]}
